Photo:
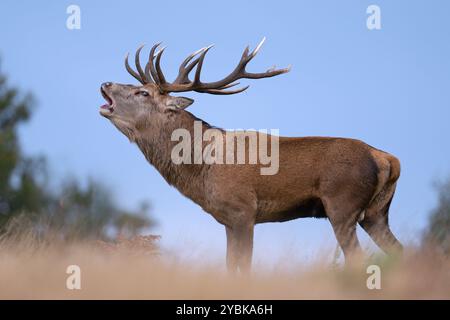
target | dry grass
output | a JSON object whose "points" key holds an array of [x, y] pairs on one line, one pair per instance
{"points": [[130, 269]]}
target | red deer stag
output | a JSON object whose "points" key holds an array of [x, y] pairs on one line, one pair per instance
{"points": [[344, 180]]}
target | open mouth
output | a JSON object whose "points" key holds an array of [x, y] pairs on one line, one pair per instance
{"points": [[107, 108]]}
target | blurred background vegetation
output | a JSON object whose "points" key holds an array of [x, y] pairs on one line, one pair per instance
{"points": [[76, 209], [437, 233]]}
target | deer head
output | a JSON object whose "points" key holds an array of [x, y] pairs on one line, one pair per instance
{"points": [[130, 106]]}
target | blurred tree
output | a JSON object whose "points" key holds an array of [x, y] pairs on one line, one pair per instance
{"points": [[73, 211], [438, 230], [19, 188], [91, 212], [129, 224]]}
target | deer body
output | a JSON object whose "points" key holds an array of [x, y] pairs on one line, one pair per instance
{"points": [[344, 180]]}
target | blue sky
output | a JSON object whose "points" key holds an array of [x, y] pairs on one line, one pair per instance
{"points": [[388, 87]]}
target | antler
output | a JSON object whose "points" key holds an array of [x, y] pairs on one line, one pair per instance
{"points": [[154, 74]]}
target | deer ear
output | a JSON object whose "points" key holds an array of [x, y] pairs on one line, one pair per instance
{"points": [[179, 102]]}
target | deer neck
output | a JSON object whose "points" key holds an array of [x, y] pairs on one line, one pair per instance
{"points": [[155, 143]]}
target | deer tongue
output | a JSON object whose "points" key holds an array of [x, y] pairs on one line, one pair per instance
{"points": [[107, 107]]}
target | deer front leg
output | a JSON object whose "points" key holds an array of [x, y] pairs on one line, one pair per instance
{"points": [[239, 247]]}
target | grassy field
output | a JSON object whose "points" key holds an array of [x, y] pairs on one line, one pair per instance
{"points": [[32, 268]]}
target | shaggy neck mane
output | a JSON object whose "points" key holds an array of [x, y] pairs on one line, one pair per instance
{"points": [[154, 140]]}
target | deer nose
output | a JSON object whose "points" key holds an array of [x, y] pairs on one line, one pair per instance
{"points": [[106, 84]]}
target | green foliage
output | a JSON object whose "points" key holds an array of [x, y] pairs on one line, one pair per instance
{"points": [[438, 231], [75, 210]]}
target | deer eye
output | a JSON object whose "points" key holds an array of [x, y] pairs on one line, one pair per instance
{"points": [[143, 93]]}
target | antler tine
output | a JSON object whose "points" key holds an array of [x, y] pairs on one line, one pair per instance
{"points": [[185, 69], [269, 73], [150, 71], [246, 57], [147, 71], [139, 68], [161, 77], [131, 71], [230, 85], [221, 92], [189, 58], [254, 52], [200, 65]]}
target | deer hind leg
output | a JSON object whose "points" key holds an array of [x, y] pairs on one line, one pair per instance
{"points": [[375, 221], [344, 221], [348, 241]]}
